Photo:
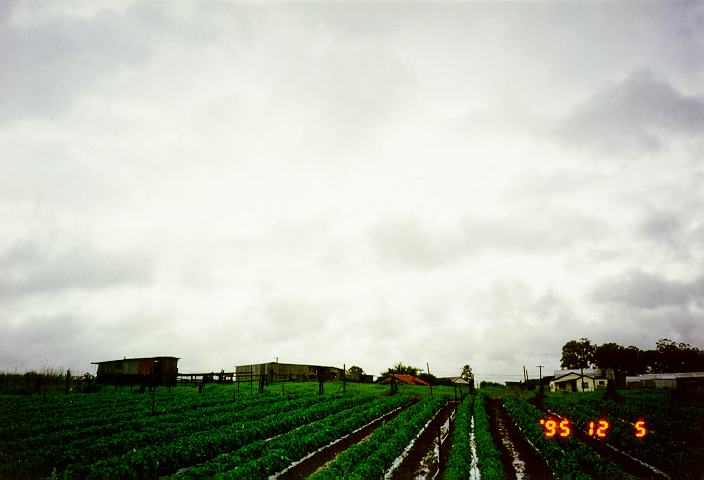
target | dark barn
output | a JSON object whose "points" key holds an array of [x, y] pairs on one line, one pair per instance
{"points": [[133, 371]]}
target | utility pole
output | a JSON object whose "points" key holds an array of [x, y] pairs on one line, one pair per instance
{"points": [[540, 391]]}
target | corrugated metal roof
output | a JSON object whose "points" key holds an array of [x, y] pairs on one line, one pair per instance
{"points": [[664, 376], [137, 358]]}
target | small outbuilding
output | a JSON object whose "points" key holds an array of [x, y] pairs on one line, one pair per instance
{"points": [[133, 371], [282, 372], [667, 380]]}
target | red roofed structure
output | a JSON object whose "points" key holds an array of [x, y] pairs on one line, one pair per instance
{"points": [[405, 378]]}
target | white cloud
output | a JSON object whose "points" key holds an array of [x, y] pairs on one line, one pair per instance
{"points": [[342, 183]]}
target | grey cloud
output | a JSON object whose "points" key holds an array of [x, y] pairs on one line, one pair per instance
{"points": [[648, 291], [408, 242], [634, 115], [282, 317], [59, 335], [670, 230], [664, 226], [679, 232], [29, 268], [49, 62]]}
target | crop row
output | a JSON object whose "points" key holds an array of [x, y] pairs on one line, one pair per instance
{"points": [[77, 412], [683, 458], [489, 457], [374, 456], [568, 458], [677, 420], [183, 451], [458, 463], [136, 422], [41, 460], [266, 457]]}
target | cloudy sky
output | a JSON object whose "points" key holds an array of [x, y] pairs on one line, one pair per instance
{"points": [[358, 183]]}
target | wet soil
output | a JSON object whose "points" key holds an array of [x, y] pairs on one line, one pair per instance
{"points": [[520, 459], [310, 465], [424, 459]]}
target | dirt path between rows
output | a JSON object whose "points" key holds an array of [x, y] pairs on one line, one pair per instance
{"points": [[310, 465], [424, 460], [519, 458]]}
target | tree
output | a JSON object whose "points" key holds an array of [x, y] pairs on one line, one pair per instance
{"points": [[578, 354], [355, 371], [608, 355], [468, 375], [672, 357], [401, 368]]}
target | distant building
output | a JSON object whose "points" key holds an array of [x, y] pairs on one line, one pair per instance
{"points": [[458, 380], [667, 380], [275, 371], [132, 371], [404, 378], [574, 381], [360, 378]]}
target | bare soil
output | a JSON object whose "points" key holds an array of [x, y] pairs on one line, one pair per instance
{"points": [[424, 459], [520, 459]]}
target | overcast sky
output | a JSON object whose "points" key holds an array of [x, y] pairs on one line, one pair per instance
{"points": [[348, 183]]}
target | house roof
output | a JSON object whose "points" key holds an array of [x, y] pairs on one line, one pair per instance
{"points": [[459, 380], [573, 375], [665, 376], [407, 379], [137, 358]]}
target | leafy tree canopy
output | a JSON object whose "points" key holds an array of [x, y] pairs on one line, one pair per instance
{"points": [[577, 354], [668, 356], [354, 371], [401, 368]]}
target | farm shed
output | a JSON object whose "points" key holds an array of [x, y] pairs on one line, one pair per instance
{"points": [[459, 381], [275, 371], [666, 380], [130, 371]]}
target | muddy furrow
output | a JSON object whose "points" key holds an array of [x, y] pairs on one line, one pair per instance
{"points": [[520, 460], [325, 455], [425, 459]]}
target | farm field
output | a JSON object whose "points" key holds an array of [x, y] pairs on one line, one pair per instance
{"points": [[118, 433], [673, 427], [289, 431]]}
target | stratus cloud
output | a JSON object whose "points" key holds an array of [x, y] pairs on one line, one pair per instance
{"points": [[33, 269], [634, 115], [645, 290], [411, 242], [49, 59]]}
